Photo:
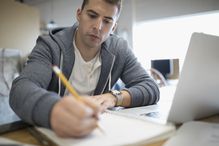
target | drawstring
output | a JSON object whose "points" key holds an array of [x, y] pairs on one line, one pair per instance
{"points": [[61, 65], [110, 81], [109, 78]]}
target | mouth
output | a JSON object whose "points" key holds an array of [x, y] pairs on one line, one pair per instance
{"points": [[93, 36]]}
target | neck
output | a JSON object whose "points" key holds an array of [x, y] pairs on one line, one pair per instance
{"points": [[88, 54]]}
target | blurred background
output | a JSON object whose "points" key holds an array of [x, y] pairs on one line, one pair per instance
{"points": [[155, 29]]}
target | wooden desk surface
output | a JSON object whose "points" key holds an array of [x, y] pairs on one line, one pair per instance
{"points": [[25, 136]]}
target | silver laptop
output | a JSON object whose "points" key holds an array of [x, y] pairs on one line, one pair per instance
{"points": [[197, 92]]}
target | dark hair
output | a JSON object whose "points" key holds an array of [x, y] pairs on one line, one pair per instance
{"points": [[118, 3]]}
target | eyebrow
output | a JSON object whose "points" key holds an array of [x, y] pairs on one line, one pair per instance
{"points": [[107, 17]]}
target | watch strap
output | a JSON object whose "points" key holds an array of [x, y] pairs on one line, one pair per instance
{"points": [[118, 95]]}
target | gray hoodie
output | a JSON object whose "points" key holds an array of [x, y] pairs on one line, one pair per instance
{"points": [[34, 92]]}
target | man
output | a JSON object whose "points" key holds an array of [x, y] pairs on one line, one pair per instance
{"points": [[93, 59]]}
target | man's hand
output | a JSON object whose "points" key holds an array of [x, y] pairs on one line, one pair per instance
{"points": [[106, 100], [73, 118]]}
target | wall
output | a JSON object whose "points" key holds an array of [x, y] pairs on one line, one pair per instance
{"points": [[19, 26], [63, 12], [155, 9], [145, 10], [126, 21]]}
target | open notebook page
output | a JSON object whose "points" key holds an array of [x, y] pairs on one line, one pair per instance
{"points": [[119, 130]]}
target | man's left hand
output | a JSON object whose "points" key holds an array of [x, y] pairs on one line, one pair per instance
{"points": [[106, 100]]}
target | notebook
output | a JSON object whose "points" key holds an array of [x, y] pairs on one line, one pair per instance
{"points": [[118, 130], [196, 95]]}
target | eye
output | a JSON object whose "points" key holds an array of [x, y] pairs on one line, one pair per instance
{"points": [[106, 21], [92, 15]]}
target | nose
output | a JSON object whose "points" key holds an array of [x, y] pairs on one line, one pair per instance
{"points": [[98, 24]]}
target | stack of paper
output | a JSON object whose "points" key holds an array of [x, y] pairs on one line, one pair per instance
{"points": [[119, 130]]}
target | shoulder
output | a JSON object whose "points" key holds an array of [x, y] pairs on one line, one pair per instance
{"points": [[56, 34], [116, 44]]}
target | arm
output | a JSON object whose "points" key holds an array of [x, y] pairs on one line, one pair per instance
{"points": [[29, 97], [33, 103], [107, 100], [140, 88]]}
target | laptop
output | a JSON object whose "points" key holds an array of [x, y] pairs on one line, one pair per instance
{"points": [[196, 95]]}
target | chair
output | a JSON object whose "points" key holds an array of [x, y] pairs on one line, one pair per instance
{"points": [[158, 77]]}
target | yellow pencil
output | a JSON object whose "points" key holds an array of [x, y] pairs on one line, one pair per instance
{"points": [[69, 87]]}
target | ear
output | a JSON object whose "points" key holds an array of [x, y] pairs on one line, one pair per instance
{"points": [[79, 11], [114, 27]]}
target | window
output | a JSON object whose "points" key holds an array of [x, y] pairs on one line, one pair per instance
{"points": [[169, 38]]}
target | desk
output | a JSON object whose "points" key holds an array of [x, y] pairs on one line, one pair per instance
{"points": [[24, 135]]}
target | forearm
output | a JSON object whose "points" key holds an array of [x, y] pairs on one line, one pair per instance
{"points": [[31, 103], [126, 98], [146, 93]]}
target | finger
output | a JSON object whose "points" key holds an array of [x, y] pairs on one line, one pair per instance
{"points": [[92, 104], [74, 127], [96, 97], [104, 106], [67, 125], [60, 119], [80, 128], [77, 108], [85, 127]]}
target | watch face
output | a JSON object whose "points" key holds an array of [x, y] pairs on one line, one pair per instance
{"points": [[118, 95], [116, 92]]}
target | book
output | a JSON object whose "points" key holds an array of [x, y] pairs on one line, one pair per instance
{"points": [[118, 130]]}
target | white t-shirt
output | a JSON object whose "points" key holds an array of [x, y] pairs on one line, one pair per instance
{"points": [[85, 75]]}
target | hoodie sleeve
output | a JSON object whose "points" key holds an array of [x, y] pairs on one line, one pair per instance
{"points": [[28, 96], [142, 88]]}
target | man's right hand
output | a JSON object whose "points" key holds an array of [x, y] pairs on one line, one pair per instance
{"points": [[73, 118]]}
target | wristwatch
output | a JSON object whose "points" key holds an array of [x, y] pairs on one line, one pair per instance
{"points": [[118, 95]]}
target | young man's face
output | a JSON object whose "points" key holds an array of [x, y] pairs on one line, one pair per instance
{"points": [[96, 21]]}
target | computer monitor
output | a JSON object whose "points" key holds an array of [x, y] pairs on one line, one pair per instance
{"points": [[164, 66]]}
